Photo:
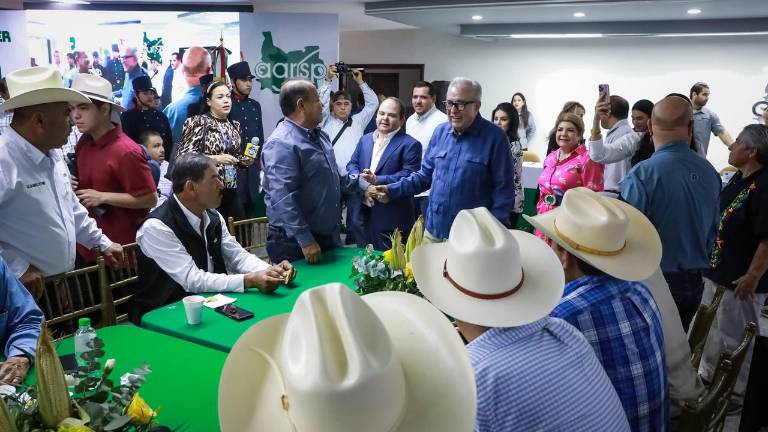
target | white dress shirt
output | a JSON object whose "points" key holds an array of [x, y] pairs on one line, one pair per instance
{"points": [[615, 172], [379, 145], [158, 242], [422, 127], [331, 125], [41, 220]]}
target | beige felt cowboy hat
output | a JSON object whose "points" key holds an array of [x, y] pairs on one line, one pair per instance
{"points": [[488, 275], [607, 233], [36, 86], [96, 88], [383, 362]]}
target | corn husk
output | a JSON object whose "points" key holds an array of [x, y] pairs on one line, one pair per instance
{"points": [[6, 421], [398, 251], [414, 238], [53, 396]]}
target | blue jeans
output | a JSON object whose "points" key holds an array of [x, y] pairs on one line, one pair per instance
{"points": [[686, 288], [281, 247]]}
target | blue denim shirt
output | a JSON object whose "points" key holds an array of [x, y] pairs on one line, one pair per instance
{"points": [[465, 171], [20, 318], [177, 112], [302, 186], [678, 191], [127, 93]]}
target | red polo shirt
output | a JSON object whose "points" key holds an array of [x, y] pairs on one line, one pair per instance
{"points": [[114, 163]]}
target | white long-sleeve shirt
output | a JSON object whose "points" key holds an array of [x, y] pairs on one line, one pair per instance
{"points": [[331, 125], [615, 151], [158, 242], [422, 127], [615, 171], [41, 219]]}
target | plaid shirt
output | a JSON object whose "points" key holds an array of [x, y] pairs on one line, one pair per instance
{"points": [[622, 323], [71, 145], [5, 118]]}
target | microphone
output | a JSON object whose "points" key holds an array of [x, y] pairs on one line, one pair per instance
{"points": [[252, 148]]}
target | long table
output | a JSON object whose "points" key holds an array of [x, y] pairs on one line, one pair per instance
{"points": [[184, 381], [219, 332]]}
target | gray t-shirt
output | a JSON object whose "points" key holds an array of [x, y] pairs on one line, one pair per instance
{"points": [[704, 122]]}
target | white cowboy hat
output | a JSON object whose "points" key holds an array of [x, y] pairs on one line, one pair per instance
{"points": [[488, 275], [36, 86], [384, 362], [607, 233], [96, 88]]}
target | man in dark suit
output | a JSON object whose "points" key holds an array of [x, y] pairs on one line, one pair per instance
{"points": [[165, 98], [382, 157]]}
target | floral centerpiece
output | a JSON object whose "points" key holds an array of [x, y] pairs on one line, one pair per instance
{"points": [[391, 270], [95, 404]]}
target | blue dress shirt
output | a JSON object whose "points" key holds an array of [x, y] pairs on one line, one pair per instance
{"points": [[678, 191], [622, 323], [468, 170], [542, 376], [302, 186], [20, 318], [127, 94], [177, 112]]}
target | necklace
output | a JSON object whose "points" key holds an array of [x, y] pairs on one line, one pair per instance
{"points": [[717, 252]]}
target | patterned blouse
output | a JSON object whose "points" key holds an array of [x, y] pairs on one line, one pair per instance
{"points": [[211, 136], [558, 176], [517, 159]]}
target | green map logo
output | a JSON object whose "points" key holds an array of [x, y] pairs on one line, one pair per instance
{"points": [[5, 36], [277, 66]]}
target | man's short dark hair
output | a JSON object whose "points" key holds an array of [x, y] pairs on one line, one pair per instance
{"points": [[619, 107], [341, 94], [175, 54], [698, 88], [428, 85], [290, 93], [189, 167], [586, 268], [401, 110], [147, 134], [3, 86]]}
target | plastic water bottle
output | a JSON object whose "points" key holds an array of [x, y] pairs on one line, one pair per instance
{"points": [[83, 336]]}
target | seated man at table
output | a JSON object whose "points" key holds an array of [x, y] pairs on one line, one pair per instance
{"points": [[20, 321], [185, 247]]}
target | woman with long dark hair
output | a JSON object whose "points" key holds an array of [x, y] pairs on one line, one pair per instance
{"points": [[215, 135], [505, 116], [526, 127]]}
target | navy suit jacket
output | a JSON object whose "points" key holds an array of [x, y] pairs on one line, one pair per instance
{"points": [[401, 157]]}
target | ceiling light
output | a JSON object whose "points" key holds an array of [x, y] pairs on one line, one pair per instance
{"points": [[556, 36], [477, 17], [694, 11], [80, 2], [579, 14]]}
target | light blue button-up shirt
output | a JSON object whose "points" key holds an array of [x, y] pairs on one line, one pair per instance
{"points": [[20, 318], [177, 112], [705, 122], [678, 191], [542, 376], [468, 170]]}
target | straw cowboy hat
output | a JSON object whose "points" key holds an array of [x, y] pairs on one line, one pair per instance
{"points": [[607, 233], [488, 275], [383, 362], [96, 88], [36, 86]]}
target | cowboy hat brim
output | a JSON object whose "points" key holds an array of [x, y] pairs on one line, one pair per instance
{"points": [[637, 261], [100, 98], [44, 96], [440, 386], [539, 293]]}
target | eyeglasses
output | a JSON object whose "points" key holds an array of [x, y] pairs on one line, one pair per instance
{"points": [[460, 105]]}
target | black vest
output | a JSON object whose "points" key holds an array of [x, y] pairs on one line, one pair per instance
{"points": [[155, 287]]}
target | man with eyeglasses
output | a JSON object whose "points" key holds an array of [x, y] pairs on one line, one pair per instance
{"points": [[468, 164], [132, 71]]}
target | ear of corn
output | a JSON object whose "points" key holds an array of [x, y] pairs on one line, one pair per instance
{"points": [[53, 397], [6, 421], [414, 238], [398, 252]]}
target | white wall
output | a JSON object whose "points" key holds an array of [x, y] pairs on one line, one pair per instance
{"points": [[549, 72]]}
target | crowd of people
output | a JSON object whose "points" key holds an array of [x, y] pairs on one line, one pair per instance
{"points": [[634, 227]]}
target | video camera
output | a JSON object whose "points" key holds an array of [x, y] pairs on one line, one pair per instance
{"points": [[342, 68]]}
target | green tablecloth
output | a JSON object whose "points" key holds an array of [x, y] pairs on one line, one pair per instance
{"points": [[184, 381], [220, 332]]}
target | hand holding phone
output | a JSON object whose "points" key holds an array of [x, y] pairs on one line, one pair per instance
{"points": [[605, 92]]}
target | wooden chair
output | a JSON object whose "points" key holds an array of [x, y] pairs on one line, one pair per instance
{"points": [[702, 322], [121, 280], [75, 294], [531, 156], [728, 168], [251, 234], [709, 411]]}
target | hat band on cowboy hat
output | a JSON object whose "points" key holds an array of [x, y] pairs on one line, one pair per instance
{"points": [[96, 88], [586, 249], [478, 295]]}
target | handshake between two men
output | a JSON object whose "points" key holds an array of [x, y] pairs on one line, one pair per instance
{"points": [[379, 193]]}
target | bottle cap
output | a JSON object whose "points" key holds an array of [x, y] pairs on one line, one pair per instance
{"points": [[84, 322]]}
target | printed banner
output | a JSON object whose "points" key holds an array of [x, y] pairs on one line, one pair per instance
{"points": [[280, 46], [14, 51]]}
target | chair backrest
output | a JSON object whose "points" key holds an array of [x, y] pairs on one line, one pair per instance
{"points": [[251, 234], [728, 168], [709, 411], [75, 294], [531, 156], [702, 322], [122, 280]]}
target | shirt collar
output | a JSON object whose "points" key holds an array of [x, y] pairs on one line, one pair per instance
{"points": [[473, 129], [506, 335], [191, 217], [387, 137], [238, 97], [618, 124], [312, 134], [107, 138], [426, 115], [673, 146], [32, 152], [606, 283]]}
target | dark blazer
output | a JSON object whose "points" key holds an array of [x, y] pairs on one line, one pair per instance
{"points": [[400, 158]]}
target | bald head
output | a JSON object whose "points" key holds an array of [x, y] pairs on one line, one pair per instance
{"points": [[196, 63], [300, 102], [671, 120]]}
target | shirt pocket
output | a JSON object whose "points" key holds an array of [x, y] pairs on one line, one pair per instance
{"points": [[474, 172]]}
